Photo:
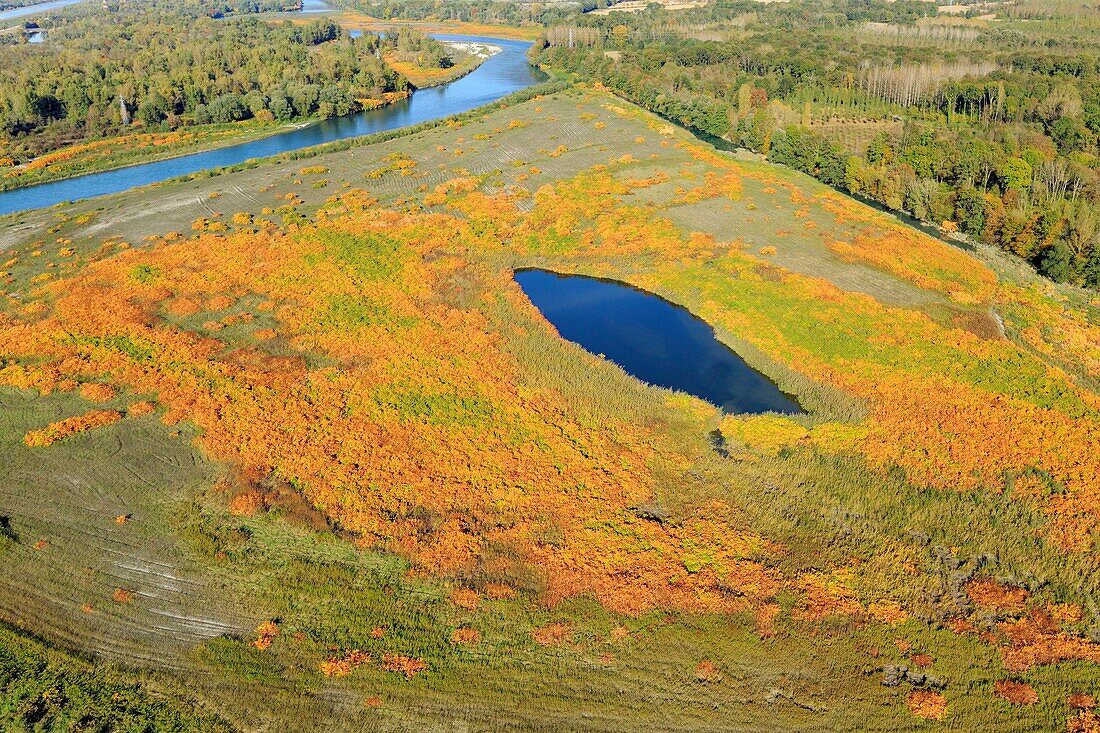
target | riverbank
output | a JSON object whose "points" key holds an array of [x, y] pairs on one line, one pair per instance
{"points": [[111, 154], [352, 20], [127, 150], [501, 75], [469, 56], [117, 153]]}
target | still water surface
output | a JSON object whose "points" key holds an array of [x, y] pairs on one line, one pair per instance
{"points": [[653, 340]]}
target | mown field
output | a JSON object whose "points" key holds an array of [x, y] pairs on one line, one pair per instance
{"points": [[290, 437]]}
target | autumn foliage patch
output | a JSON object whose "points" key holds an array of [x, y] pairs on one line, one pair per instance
{"points": [[62, 429]]}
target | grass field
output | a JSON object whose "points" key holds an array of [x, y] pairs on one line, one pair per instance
{"points": [[350, 477]]}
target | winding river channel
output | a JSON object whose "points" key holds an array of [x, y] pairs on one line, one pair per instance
{"points": [[500, 75]]}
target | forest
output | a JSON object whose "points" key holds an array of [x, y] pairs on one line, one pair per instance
{"points": [[105, 74], [476, 11], [989, 129]]}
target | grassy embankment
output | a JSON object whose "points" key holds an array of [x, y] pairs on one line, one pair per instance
{"points": [[558, 545], [118, 152]]}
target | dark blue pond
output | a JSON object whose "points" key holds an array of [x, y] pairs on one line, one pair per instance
{"points": [[500, 75], [653, 340]]}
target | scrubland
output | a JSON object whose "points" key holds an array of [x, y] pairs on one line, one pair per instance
{"points": [[291, 438]]}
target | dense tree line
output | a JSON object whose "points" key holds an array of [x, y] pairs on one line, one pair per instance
{"points": [[993, 132], [424, 51], [102, 73], [224, 8], [473, 11]]}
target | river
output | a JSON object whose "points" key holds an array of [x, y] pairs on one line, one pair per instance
{"points": [[13, 13], [653, 340], [500, 75]]}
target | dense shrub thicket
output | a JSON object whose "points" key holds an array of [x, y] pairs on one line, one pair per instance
{"points": [[42, 689]]}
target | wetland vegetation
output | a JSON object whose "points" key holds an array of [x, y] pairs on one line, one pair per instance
{"points": [[288, 447]]}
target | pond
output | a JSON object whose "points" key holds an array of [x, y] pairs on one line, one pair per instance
{"points": [[653, 340], [500, 75]]}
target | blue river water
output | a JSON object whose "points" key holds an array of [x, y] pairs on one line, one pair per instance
{"points": [[502, 74], [653, 340]]}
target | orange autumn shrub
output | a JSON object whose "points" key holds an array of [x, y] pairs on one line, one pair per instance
{"points": [[553, 634], [923, 661], [927, 704], [1018, 693], [1080, 701], [97, 392], [465, 598], [465, 636], [1085, 721], [822, 596], [765, 618], [887, 612], [407, 666], [247, 504], [62, 429], [265, 634], [138, 409], [923, 261], [1038, 639], [342, 666], [122, 596], [499, 591], [989, 593], [707, 671]]}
